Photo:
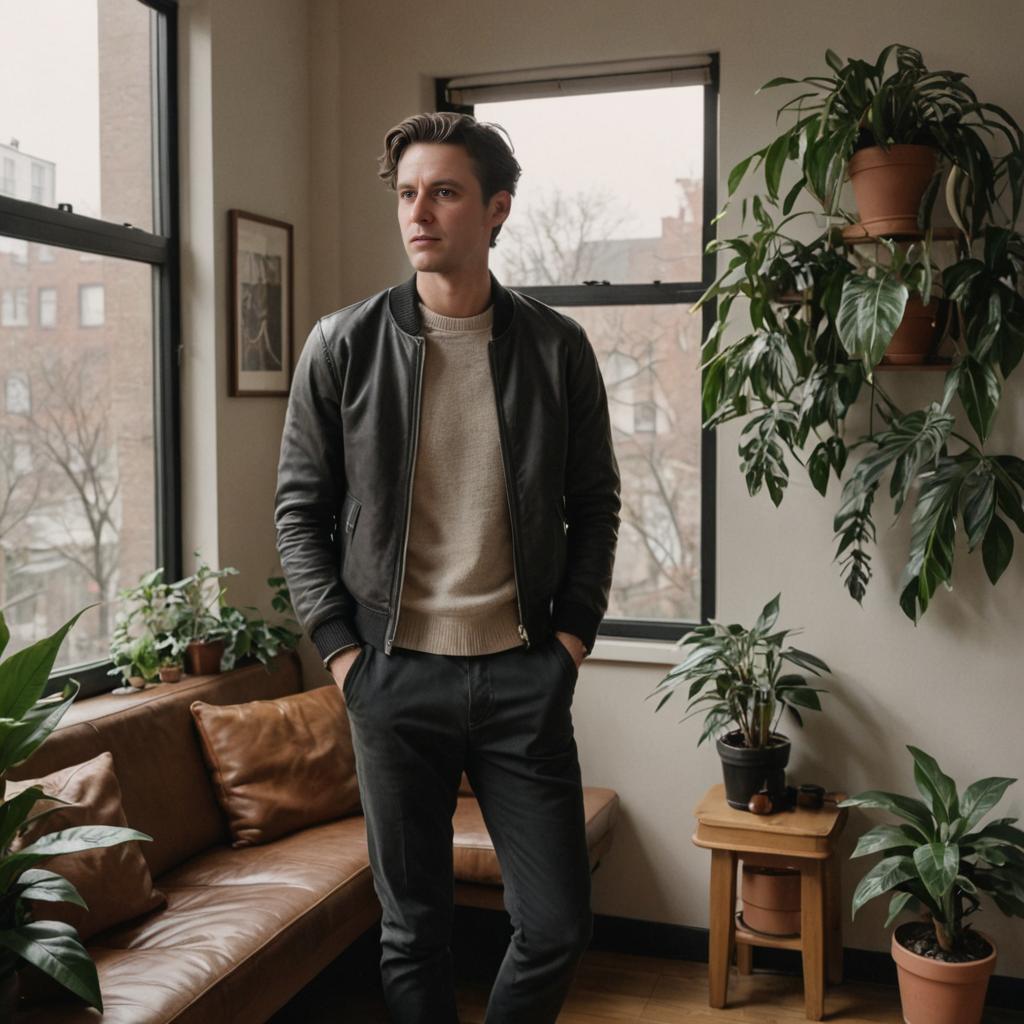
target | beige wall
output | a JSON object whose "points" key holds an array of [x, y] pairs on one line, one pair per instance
{"points": [[266, 137], [245, 144]]}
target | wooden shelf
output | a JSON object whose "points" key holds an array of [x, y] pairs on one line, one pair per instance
{"points": [[859, 234], [931, 364]]}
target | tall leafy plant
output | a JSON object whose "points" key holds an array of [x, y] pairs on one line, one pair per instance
{"points": [[734, 678], [26, 719], [938, 860], [801, 325]]}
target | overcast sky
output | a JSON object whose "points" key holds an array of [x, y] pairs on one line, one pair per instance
{"points": [[634, 144], [49, 92]]}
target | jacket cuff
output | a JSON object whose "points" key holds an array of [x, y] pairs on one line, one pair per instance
{"points": [[332, 635], [578, 619]]}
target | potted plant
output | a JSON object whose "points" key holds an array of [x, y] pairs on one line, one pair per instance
{"points": [[895, 137], [940, 861], [145, 631], [26, 719], [170, 668], [251, 636], [135, 658], [734, 679], [199, 627], [823, 316]]}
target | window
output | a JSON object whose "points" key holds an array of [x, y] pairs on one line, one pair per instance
{"points": [[40, 193], [14, 307], [17, 396], [87, 88], [90, 305], [47, 307], [609, 224], [8, 183]]}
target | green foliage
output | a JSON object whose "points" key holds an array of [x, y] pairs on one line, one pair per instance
{"points": [[26, 719], [734, 678], [817, 317], [161, 619], [939, 861]]}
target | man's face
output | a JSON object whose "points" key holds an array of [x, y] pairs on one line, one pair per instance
{"points": [[440, 202]]}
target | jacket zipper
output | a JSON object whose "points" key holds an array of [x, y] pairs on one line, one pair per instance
{"points": [[503, 444], [408, 505]]}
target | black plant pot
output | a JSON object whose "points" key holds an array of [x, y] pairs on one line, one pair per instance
{"points": [[749, 770]]}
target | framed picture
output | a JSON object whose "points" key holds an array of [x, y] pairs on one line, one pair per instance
{"points": [[260, 333]]}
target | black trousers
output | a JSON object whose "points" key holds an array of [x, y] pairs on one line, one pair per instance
{"points": [[418, 720]]}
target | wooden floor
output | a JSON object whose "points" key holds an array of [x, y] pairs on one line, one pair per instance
{"points": [[628, 989]]}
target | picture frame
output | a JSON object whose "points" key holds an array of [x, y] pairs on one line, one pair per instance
{"points": [[260, 334]]}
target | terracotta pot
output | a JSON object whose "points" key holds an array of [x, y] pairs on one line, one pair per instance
{"points": [[919, 333], [203, 657], [771, 899], [933, 992], [170, 673], [888, 186], [137, 681]]}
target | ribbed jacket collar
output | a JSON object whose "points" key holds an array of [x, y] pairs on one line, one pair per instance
{"points": [[404, 300]]}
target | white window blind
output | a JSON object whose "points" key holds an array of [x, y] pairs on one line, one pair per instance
{"points": [[580, 79]]}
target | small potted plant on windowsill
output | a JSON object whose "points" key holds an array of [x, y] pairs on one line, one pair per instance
{"points": [[734, 678], [199, 629], [940, 863], [135, 659]]}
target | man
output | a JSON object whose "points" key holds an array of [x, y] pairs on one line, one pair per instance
{"points": [[447, 514]]}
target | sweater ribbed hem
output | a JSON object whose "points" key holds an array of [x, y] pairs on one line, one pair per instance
{"points": [[487, 633]]}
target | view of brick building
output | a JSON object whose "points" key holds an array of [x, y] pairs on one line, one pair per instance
{"points": [[76, 397]]}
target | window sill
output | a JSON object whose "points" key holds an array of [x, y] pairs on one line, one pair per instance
{"points": [[648, 652]]}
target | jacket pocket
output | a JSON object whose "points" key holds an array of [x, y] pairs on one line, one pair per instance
{"points": [[347, 524]]}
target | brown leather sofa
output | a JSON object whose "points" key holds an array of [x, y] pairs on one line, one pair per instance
{"points": [[244, 929]]}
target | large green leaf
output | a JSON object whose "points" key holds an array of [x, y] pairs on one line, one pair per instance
{"points": [[980, 389], [980, 797], [23, 676], [997, 548], [36, 724], [938, 864], [769, 615], [869, 313], [48, 886], [68, 840], [933, 533], [978, 503], [935, 786], [804, 660], [885, 875], [54, 948], [886, 837], [5, 634], [905, 807], [897, 905]]}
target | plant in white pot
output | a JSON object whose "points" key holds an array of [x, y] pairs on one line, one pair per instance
{"points": [[735, 680], [939, 862]]}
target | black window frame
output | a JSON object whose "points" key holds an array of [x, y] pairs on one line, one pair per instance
{"points": [[658, 293], [62, 227]]}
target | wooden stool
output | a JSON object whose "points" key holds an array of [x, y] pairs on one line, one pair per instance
{"points": [[801, 839]]}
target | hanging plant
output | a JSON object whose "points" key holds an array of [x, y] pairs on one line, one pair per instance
{"points": [[823, 315]]}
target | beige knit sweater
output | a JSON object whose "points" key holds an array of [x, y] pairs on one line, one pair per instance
{"points": [[458, 594]]}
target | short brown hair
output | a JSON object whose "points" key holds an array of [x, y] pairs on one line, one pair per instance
{"points": [[496, 168]]}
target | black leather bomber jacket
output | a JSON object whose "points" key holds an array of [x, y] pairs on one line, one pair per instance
{"points": [[348, 451]]}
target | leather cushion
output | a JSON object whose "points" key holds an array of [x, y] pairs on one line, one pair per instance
{"points": [[475, 859], [279, 765], [114, 881]]}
